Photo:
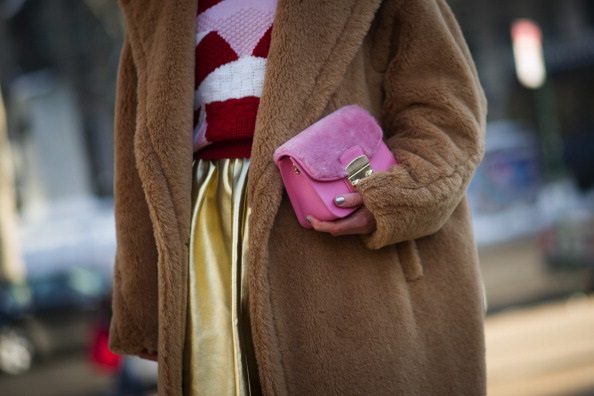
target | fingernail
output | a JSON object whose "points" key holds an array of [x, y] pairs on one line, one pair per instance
{"points": [[339, 200], [308, 218]]}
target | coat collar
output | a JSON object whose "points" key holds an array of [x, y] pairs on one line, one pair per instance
{"points": [[151, 22]]}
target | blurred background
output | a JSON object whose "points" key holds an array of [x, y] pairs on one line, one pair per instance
{"points": [[532, 197]]}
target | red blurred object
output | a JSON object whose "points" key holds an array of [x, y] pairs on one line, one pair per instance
{"points": [[102, 358]]}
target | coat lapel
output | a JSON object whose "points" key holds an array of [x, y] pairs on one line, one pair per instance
{"points": [[161, 35], [313, 43]]}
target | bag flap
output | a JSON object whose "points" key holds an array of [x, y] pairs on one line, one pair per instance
{"points": [[318, 149]]}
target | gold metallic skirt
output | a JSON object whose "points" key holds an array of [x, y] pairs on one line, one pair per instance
{"points": [[219, 357]]}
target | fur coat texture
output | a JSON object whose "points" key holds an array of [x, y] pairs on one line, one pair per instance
{"points": [[396, 312]]}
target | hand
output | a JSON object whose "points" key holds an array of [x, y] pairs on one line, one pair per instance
{"points": [[360, 222]]}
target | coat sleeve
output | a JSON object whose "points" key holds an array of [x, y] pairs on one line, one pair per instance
{"points": [[433, 118], [134, 325]]}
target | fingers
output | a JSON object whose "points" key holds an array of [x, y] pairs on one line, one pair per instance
{"points": [[349, 200], [361, 222]]}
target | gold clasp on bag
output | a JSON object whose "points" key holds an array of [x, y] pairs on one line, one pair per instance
{"points": [[358, 169]]}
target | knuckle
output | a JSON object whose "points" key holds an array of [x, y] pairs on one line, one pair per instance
{"points": [[334, 230]]}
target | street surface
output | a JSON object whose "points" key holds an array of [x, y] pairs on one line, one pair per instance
{"points": [[69, 374], [546, 350], [544, 346]]}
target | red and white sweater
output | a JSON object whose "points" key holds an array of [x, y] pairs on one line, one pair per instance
{"points": [[232, 42]]}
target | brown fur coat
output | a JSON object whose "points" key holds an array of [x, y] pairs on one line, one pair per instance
{"points": [[396, 312]]}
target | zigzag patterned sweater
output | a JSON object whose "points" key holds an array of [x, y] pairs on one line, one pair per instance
{"points": [[232, 42]]}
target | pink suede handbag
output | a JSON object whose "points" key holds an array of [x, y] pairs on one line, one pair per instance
{"points": [[328, 159]]}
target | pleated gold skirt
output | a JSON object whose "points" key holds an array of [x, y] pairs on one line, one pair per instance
{"points": [[219, 357]]}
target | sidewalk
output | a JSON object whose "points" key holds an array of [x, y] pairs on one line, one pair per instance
{"points": [[515, 274], [545, 350]]}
